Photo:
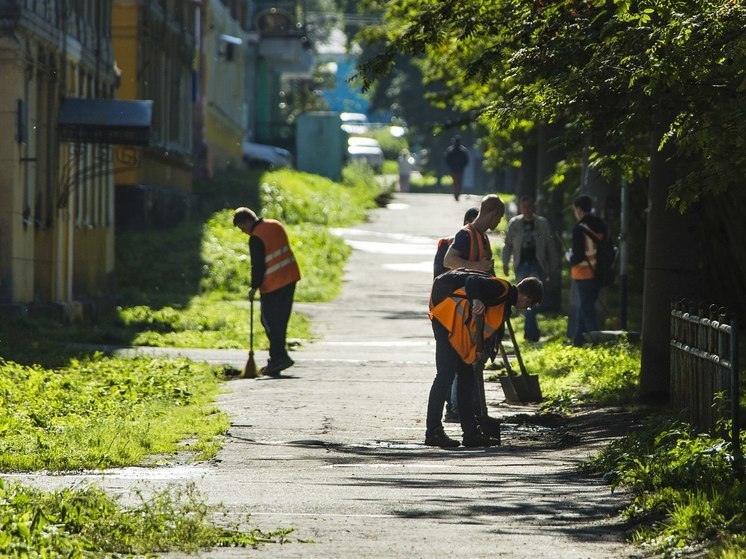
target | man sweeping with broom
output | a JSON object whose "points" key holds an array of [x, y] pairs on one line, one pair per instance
{"points": [[274, 272]]}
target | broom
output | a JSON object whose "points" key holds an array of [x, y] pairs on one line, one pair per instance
{"points": [[249, 370]]}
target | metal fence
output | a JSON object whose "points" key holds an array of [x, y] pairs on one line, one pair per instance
{"points": [[704, 368]]}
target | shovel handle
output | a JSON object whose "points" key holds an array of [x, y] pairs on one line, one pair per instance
{"points": [[506, 361], [515, 347]]}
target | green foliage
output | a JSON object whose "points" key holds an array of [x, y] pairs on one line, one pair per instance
{"points": [[87, 523], [606, 70], [681, 479], [293, 198], [600, 374], [390, 145], [99, 412]]}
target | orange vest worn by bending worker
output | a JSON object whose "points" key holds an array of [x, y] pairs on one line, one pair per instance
{"points": [[281, 268], [454, 314]]}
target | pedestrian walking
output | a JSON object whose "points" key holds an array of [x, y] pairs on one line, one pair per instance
{"points": [[458, 297], [457, 158], [274, 272], [529, 243], [582, 258], [406, 166]]}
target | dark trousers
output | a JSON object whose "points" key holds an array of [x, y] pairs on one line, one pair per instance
{"points": [[448, 364], [276, 307], [458, 181]]}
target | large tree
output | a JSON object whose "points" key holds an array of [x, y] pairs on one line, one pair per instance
{"points": [[645, 88]]}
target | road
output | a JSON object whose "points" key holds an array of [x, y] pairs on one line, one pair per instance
{"points": [[334, 449]]}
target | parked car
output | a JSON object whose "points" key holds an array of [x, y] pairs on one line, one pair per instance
{"points": [[360, 148], [354, 123], [264, 156]]}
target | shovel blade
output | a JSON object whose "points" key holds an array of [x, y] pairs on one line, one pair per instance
{"points": [[510, 390], [533, 390]]}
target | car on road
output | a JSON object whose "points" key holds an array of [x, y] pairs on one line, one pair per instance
{"points": [[368, 150], [264, 156], [354, 123]]}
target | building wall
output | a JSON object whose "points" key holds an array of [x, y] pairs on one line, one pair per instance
{"points": [[56, 199], [221, 118]]}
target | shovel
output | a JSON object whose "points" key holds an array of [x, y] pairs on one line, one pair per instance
{"points": [[490, 425], [512, 383], [525, 387], [249, 370]]}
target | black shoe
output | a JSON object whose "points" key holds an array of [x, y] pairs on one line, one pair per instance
{"points": [[273, 368], [479, 439], [439, 438], [452, 416]]}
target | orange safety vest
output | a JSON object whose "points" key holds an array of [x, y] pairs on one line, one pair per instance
{"points": [[584, 269], [454, 314], [281, 269], [477, 244]]}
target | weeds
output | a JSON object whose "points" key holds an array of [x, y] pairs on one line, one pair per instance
{"points": [[100, 412], [682, 486], [87, 523]]}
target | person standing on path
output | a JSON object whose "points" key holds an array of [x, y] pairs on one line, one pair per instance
{"points": [[471, 250], [457, 298], [443, 244], [405, 162], [529, 243], [274, 272], [582, 257], [457, 158], [438, 268], [471, 247]]}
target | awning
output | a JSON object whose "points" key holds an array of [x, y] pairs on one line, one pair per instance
{"points": [[105, 121]]}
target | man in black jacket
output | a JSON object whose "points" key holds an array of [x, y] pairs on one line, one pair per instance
{"points": [[582, 257]]}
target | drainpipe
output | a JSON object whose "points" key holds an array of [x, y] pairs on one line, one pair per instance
{"points": [[59, 284]]}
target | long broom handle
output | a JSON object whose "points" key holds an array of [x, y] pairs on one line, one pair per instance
{"points": [[251, 325]]}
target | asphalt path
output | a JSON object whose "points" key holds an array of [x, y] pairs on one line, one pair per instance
{"points": [[334, 447]]}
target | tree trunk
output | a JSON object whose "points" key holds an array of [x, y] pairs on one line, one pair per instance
{"points": [[527, 178], [550, 203], [672, 253]]}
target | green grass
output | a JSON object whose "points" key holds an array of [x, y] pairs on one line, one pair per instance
{"points": [[182, 287], [100, 412], [87, 523], [592, 375], [683, 487]]}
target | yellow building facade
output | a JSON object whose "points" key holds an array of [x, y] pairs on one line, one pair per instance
{"points": [[56, 196], [154, 48]]}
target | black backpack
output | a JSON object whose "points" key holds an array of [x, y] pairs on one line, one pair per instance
{"points": [[604, 271]]}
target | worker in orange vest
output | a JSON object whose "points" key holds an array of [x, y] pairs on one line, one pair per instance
{"points": [[457, 298], [274, 272]]}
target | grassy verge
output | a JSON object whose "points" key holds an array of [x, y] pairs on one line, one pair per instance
{"points": [[684, 492], [100, 412], [87, 523]]}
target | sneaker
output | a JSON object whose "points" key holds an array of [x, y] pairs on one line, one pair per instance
{"points": [[273, 368], [452, 416], [439, 438], [479, 439]]}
